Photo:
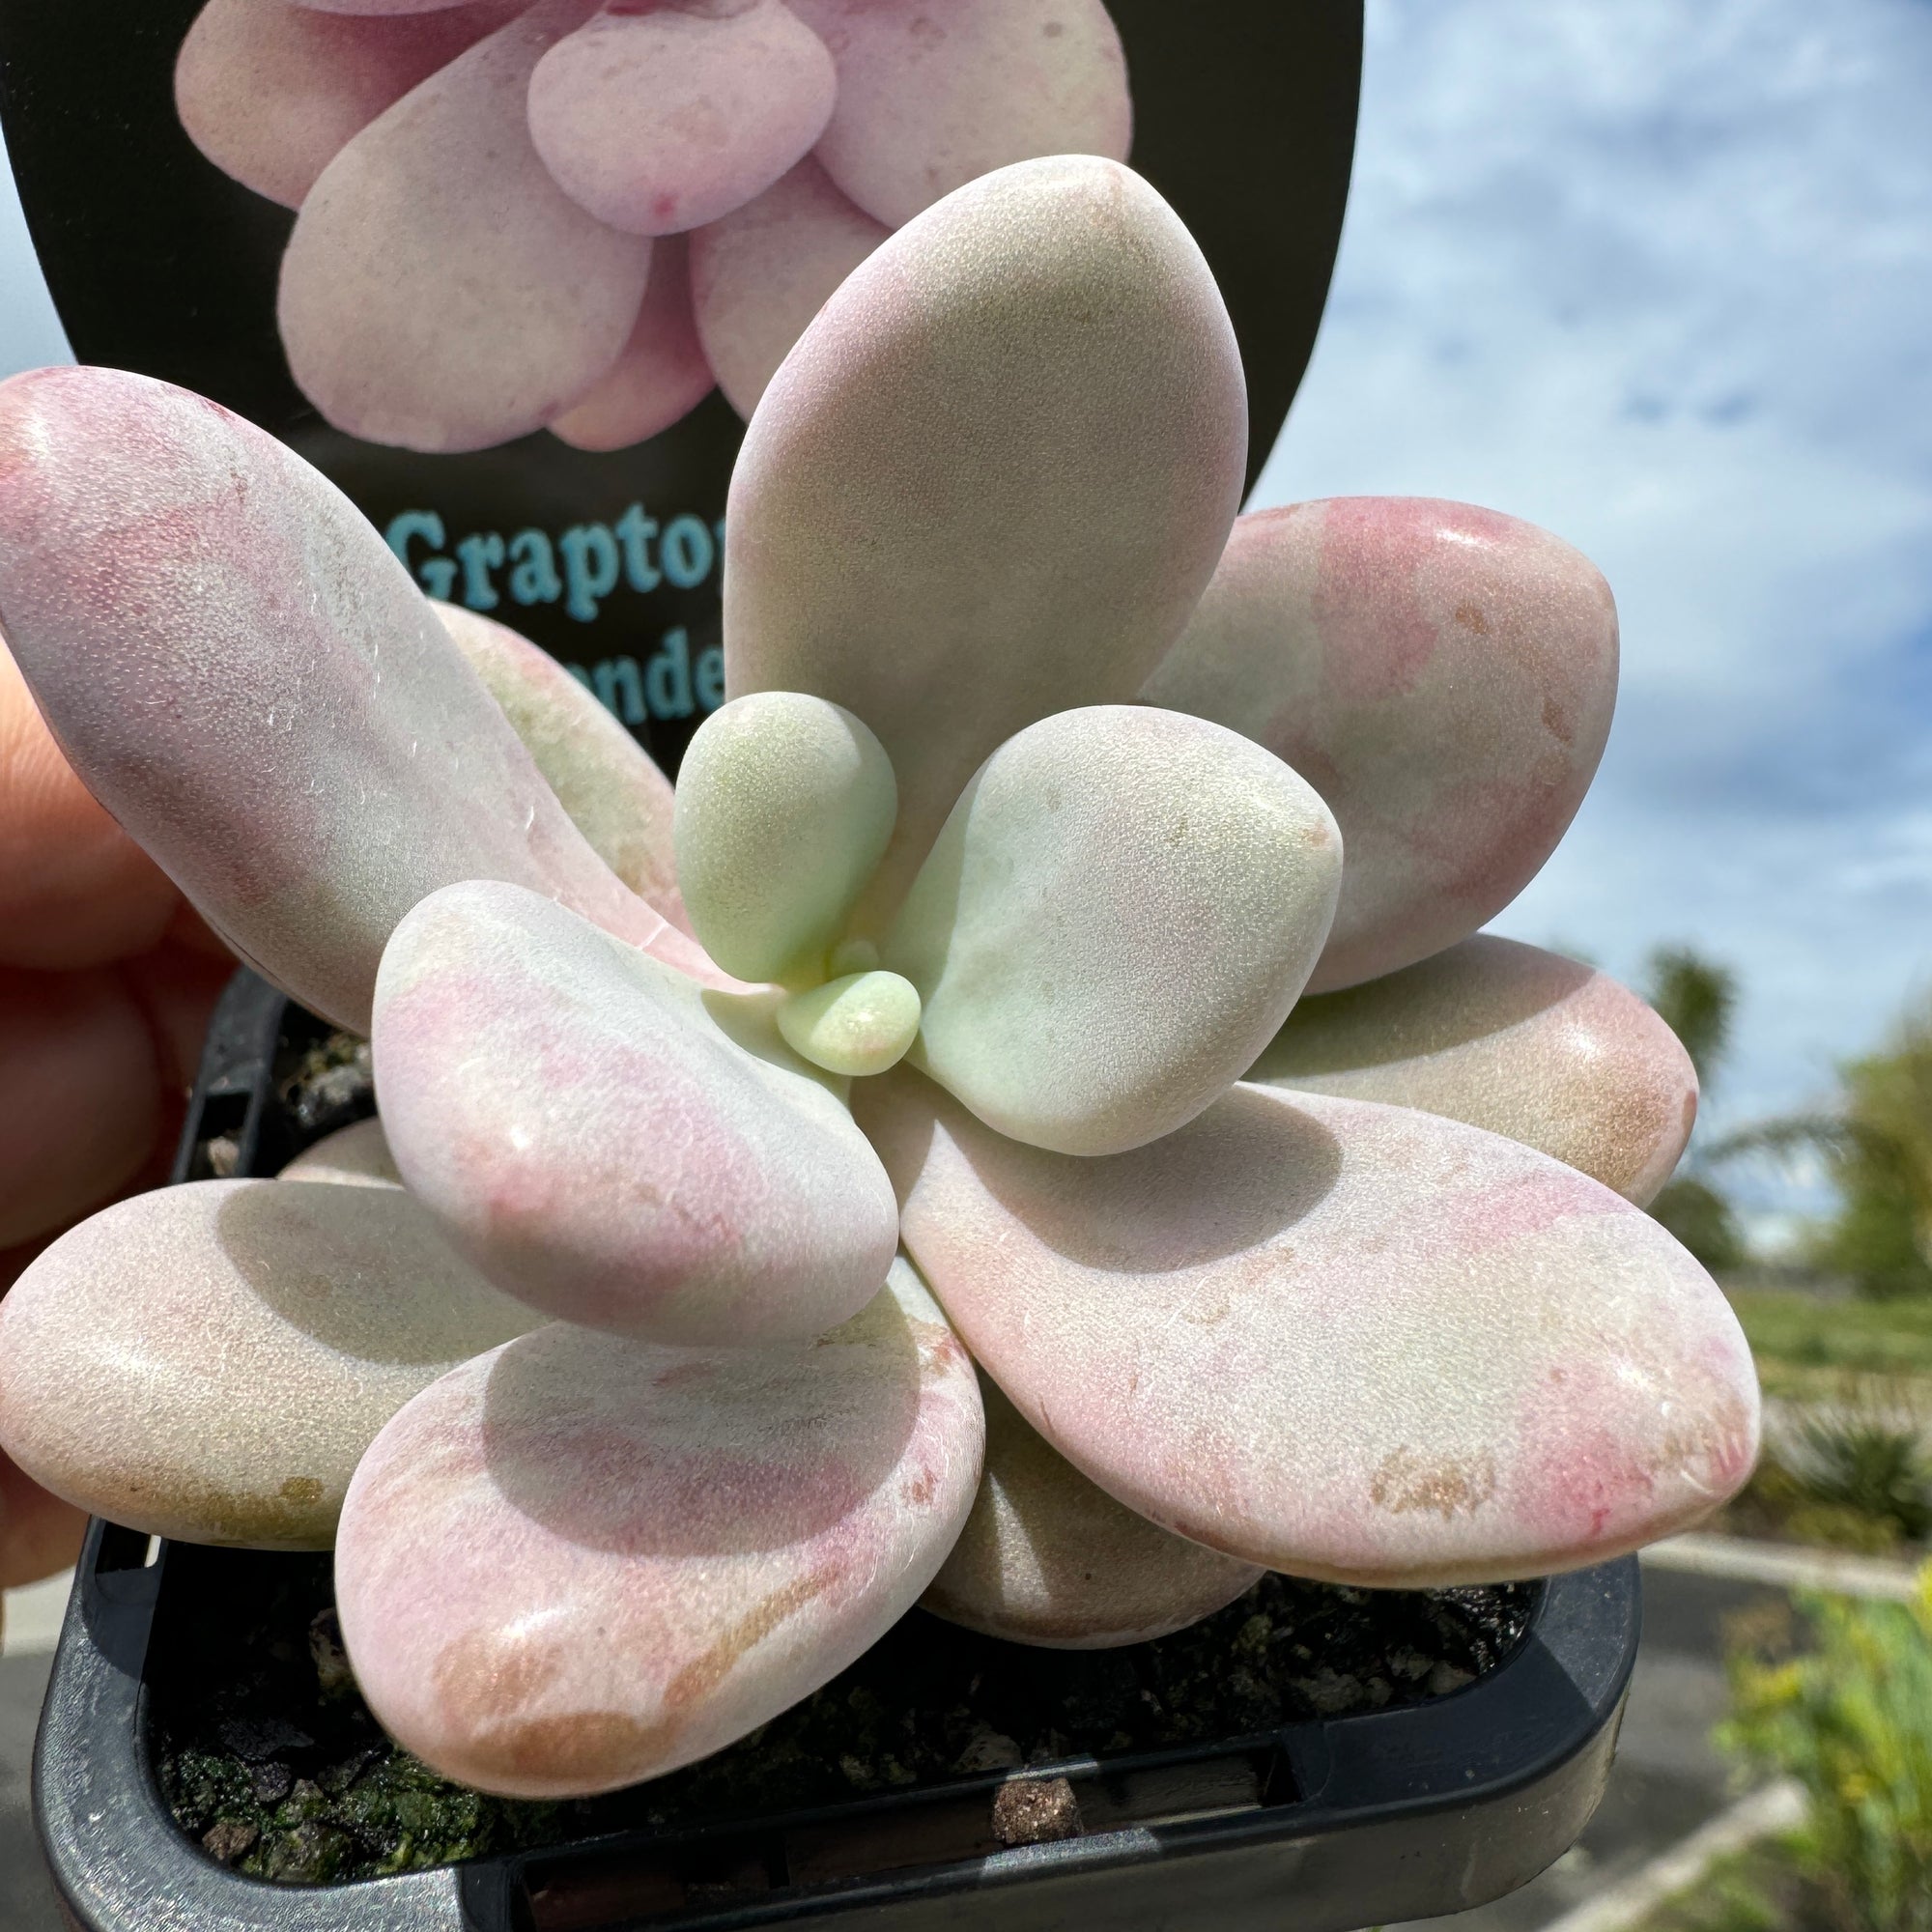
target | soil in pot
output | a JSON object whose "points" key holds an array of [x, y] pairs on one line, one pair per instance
{"points": [[266, 1755]]}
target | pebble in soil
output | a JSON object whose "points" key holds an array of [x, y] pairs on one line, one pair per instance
{"points": [[271, 1760], [326, 1084]]}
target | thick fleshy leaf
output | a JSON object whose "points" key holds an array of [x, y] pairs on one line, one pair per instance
{"points": [[1349, 1342], [354, 1156], [272, 92], [326, 758], [784, 804], [1047, 1557], [1442, 676], [660, 117], [1512, 1040], [580, 1562], [440, 292], [603, 778], [611, 1143], [660, 376], [1118, 916], [990, 481], [858, 1024], [929, 97], [762, 274], [210, 1361]]}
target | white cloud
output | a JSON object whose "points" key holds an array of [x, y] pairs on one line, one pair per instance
{"points": [[30, 332], [1660, 278]]}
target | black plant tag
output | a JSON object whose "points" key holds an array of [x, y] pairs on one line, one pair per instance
{"points": [[1245, 118]]}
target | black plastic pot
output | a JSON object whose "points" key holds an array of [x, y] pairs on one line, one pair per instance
{"points": [[1331, 1824]]}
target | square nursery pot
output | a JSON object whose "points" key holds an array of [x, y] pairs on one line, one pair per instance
{"points": [[188, 1680]]}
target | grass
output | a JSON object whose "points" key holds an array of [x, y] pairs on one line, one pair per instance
{"points": [[1865, 1368], [1757, 1889], [1761, 1889], [1808, 1348]]}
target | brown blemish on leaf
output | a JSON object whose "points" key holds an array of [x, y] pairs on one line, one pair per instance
{"points": [[489, 1675], [917, 1491], [488, 1682], [940, 1354], [687, 1373], [1456, 1486], [1471, 618], [1557, 722], [1209, 1313], [182, 1504]]}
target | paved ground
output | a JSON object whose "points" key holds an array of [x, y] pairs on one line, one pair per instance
{"points": [[1667, 1779], [26, 1899]]}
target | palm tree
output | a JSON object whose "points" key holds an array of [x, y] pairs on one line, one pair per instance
{"points": [[1697, 998], [1877, 1145]]}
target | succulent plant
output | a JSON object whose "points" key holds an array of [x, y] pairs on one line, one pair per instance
{"points": [[581, 215], [630, 1363]]}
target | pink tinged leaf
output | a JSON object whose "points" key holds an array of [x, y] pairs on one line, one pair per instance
{"points": [[657, 119], [612, 1144], [931, 97], [211, 1361], [1117, 917], [270, 92], [354, 1156], [1049, 1558], [603, 778], [784, 804], [440, 292], [761, 274], [1442, 676], [990, 481], [1511, 1040], [1350, 1342], [662, 374], [580, 1562], [248, 680]]}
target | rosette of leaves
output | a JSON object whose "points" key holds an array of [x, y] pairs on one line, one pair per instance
{"points": [[581, 215], [636, 1369]]}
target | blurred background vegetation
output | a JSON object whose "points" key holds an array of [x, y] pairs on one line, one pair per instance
{"points": [[1697, 998], [1833, 1694], [1839, 1312], [1874, 1139]]}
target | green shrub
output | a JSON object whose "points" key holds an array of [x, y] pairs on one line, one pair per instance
{"points": [[1852, 1721], [1869, 1463], [1873, 1240], [1877, 1148]]}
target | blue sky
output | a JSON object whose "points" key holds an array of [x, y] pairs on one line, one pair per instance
{"points": [[1659, 277]]}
